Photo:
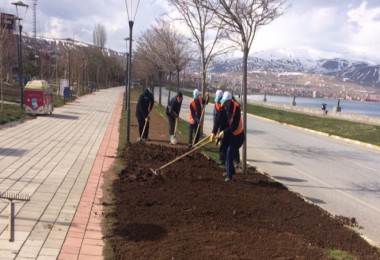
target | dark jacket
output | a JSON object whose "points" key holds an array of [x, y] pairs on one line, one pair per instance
{"points": [[220, 120], [235, 121], [173, 108], [144, 104]]}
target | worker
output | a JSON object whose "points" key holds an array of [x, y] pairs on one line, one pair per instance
{"points": [[232, 135], [197, 104], [172, 112], [143, 108], [220, 121]]}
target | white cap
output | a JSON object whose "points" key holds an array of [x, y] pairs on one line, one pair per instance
{"points": [[218, 95], [226, 96], [195, 93]]}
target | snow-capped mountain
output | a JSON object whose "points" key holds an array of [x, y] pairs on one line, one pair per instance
{"points": [[345, 66]]}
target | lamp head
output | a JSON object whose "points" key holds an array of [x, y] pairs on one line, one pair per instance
{"points": [[20, 4]]}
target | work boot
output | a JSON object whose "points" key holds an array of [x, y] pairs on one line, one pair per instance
{"points": [[227, 179], [189, 146]]}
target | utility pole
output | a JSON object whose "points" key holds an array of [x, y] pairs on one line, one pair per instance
{"points": [[35, 25], [35, 33], [18, 5]]}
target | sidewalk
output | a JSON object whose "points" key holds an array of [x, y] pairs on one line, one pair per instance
{"points": [[58, 161]]}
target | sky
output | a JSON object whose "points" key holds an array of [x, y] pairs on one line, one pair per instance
{"points": [[325, 26]]}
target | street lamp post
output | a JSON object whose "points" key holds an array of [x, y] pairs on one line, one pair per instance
{"points": [[83, 78], [129, 82], [131, 18], [126, 73], [19, 50]]}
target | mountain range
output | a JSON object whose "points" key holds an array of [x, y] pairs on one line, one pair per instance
{"points": [[344, 66], [359, 70]]}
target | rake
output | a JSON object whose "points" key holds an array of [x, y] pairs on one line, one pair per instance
{"points": [[155, 172]]}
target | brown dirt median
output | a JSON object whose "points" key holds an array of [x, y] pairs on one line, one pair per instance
{"points": [[189, 212]]}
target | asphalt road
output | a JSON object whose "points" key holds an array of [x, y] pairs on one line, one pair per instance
{"points": [[341, 177]]}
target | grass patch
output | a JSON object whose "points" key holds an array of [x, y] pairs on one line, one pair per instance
{"points": [[57, 100], [339, 255], [356, 131], [12, 113]]}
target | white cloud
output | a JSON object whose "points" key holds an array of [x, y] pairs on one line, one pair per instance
{"points": [[365, 29], [330, 26]]}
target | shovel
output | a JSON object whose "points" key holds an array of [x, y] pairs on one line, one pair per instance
{"points": [[155, 172], [173, 138]]}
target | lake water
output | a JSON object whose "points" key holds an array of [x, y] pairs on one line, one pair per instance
{"points": [[348, 106]]}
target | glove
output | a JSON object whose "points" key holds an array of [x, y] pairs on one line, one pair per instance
{"points": [[207, 94], [147, 118], [221, 135], [196, 120], [212, 138]]}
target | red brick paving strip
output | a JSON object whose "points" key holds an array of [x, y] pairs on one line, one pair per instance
{"points": [[84, 238]]}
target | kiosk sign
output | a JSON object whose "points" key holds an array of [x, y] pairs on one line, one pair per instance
{"points": [[64, 83], [7, 21]]}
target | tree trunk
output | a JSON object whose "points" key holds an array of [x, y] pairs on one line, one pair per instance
{"points": [[177, 80], [170, 85], [159, 88], [245, 69], [203, 72], [203, 84]]}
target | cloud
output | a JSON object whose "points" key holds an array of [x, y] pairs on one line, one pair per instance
{"points": [[365, 28], [330, 25], [326, 25]]}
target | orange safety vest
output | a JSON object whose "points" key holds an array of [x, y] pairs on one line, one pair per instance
{"points": [[240, 128], [192, 104], [218, 106]]}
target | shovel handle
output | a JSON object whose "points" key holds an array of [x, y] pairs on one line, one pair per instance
{"points": [[146, 122], [201, 141], [175, 128], [180, 157], [199, 125]]}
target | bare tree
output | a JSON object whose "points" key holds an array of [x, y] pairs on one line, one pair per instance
{"points": [[99, 36], [143, 68], [7, 58], [206, 32], [242, 18], [148, 56], [173, 51]]}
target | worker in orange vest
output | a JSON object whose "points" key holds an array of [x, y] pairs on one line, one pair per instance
{"points": [[220, 121], [232, 135], [197, 104]]}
